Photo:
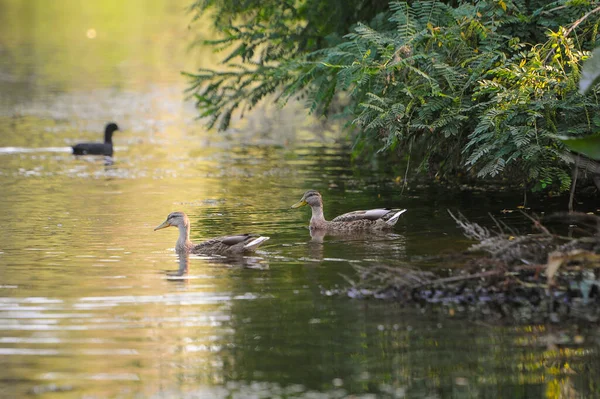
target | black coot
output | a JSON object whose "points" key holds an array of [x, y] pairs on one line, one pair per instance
{"points": [[105, 148]]}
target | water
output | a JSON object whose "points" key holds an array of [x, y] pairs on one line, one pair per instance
{"points": [[89, 305]]}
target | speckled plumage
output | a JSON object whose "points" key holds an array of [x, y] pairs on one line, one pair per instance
{"points": [[226, 245], [372, 219]]}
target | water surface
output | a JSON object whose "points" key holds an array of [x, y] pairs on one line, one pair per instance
{"points": [[88, 305]]}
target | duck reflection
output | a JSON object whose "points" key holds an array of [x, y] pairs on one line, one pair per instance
{"points": [[184, 265], [367, 237], [236, 261], [372, 241], [108, 162]]}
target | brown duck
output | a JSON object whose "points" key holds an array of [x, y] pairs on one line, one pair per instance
{"points": [[372, 219], [227, 245]]}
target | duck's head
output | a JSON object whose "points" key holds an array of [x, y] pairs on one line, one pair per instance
{"points": [[175, 219], [109, 130], [311, 197]]}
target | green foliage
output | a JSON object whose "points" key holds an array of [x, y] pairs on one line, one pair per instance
{"points": [[590, 76], [483, 87], [266, 42]]}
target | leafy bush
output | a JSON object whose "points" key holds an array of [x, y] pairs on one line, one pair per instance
{"points": [[483, 87]]}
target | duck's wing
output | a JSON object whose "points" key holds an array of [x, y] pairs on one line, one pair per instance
{"points": [[371, 214], [93, 149], [242, 238], [236, 243], [389, 215]]}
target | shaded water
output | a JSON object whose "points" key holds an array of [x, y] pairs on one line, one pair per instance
{"points": [[87, 305]]}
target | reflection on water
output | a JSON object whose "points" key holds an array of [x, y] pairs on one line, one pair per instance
{"points": [[184, 264], [93, 304], [232, 261], [17, 150]]}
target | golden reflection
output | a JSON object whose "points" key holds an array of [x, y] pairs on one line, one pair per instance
{"points": [[133, 43]]}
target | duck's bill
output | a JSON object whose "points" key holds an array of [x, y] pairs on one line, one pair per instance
{"points": [[299, 204], [164, 224]]}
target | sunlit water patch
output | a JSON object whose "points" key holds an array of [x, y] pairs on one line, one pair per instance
{"points": [[18, 150]]}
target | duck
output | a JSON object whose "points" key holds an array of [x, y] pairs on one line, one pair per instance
{"points": [[105, 148], [372, 219], [226, 245]]}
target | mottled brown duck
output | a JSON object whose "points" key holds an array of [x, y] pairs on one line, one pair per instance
{"points": [[227, 245], [372, 219]]}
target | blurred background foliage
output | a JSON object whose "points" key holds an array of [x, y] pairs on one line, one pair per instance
{"points": [[447, 88]]}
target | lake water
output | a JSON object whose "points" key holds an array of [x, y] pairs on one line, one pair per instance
{"points": [[88, 306]]}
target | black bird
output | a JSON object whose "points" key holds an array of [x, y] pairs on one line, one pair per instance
{"points": [[105, 148]]}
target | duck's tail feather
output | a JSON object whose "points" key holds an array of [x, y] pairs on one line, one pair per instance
{"points": [[392, 221], [255, 243]]}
